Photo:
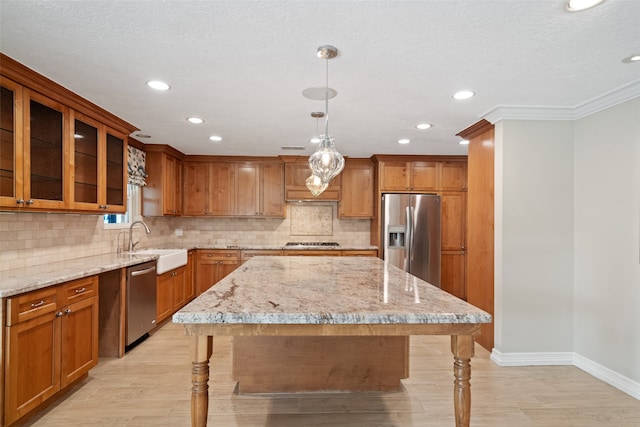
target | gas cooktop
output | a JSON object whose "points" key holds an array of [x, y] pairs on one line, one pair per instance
{"points": [[312, 244]]}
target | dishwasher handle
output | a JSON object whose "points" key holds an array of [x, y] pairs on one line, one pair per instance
{"points": [[145, 271]]}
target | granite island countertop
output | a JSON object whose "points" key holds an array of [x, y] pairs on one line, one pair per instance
{"points": [[325, 290]]}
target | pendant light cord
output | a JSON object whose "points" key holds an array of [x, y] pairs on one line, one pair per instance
{"points": [[326, 104]]}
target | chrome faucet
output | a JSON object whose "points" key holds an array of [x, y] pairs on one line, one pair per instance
{"points": [[131, 244]]}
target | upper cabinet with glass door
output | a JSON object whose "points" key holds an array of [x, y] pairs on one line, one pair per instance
{"points": [[98, 167], [58, 151], [10, 143]]}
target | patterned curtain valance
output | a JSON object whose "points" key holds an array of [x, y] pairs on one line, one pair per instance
{"points": [[136, 170]]}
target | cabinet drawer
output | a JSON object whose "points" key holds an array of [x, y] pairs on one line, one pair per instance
{"points": [[32, 304], [360, 253], [312, 252], [217, 255], [80, 289]]}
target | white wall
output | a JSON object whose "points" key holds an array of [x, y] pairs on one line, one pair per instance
{"points": [[607, 234], [534, 236], [567, 267]]}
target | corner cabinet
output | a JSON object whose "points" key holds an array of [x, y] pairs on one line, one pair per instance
{"points": [[58, 152], [162, 196], [52, 341]]}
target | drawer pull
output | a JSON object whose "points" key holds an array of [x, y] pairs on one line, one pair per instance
{"points": [[37, 304], [80, 290]]}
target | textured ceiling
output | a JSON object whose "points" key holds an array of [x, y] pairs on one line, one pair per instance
{"points": [[242, 65]]}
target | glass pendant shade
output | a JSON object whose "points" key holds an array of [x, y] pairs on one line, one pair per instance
{"points": [[326, 163], [315, 185]]}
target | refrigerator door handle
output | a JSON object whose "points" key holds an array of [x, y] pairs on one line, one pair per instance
{"points": [[409, 237]]}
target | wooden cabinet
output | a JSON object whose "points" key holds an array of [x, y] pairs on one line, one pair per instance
{"points": [[354, 252], [171, 292], [44, 164], [162, 196], [212, 265], [356, 189], [252, 188], [189, 285], [408, 176], [260, 189], [312, 252], [46, 138], [452, 176], [11, 143], [453, 273], [98, 159], [296, 173], [52, 341]]}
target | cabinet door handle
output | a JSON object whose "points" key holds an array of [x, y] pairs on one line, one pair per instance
{"points": [[29, 202], [59, 314], [67, 311], [37, 304], [19, 201], [80, 290]]}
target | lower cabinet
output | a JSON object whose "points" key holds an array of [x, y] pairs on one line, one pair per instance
{"points": [[172, 292], [214, 264], [246, 255], [52, 341], [453, 273]]}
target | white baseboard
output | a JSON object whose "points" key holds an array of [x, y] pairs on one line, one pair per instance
{"points": [[531, 359], [622, 383], [632, 388]]}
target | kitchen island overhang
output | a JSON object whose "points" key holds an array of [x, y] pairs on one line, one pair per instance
{"points": [[327, 297]]}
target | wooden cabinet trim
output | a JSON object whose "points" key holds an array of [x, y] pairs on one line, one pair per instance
{"points": [[38, 83]]}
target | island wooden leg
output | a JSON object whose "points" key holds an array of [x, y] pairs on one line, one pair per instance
{"points": [[201, 350], [462, 349]]}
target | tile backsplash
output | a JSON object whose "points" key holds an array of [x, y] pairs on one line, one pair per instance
{"points": [[39, 238]]}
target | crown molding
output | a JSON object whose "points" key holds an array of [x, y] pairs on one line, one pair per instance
{"points": [[529, 112]]}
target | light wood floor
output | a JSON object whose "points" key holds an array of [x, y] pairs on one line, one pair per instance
{"points": [[150, 386]]}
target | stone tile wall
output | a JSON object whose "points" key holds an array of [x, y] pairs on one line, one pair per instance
{"points": [[40, 238]]}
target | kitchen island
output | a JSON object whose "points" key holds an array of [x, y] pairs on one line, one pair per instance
{"points": [[327, 297]]}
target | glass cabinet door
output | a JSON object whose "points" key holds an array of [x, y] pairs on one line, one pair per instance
{"points": [[10, 144], [45, 135], [85, 156], [116, 189]]}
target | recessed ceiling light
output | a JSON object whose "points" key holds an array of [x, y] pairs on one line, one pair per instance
{"points": [[464, 142], [404, 141], [158, 85], [578, 5], [195, 120], [215, 138], [423, 126], [632, 58], [315, 140], [463, 94]]}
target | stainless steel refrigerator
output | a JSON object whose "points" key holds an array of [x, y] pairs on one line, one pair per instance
{"points": [[411, 234]]}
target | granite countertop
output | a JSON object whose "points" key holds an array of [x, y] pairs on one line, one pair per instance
{"points": [[20, 280], [325, 290]]}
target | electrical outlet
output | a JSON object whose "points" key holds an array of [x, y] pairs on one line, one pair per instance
{"points": [[178, 232]]}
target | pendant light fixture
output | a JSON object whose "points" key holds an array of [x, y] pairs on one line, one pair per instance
{"points": [[326, 163], [314, 183]]}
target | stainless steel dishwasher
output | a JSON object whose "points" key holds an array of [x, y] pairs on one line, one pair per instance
{"points": [[141, 300]]}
